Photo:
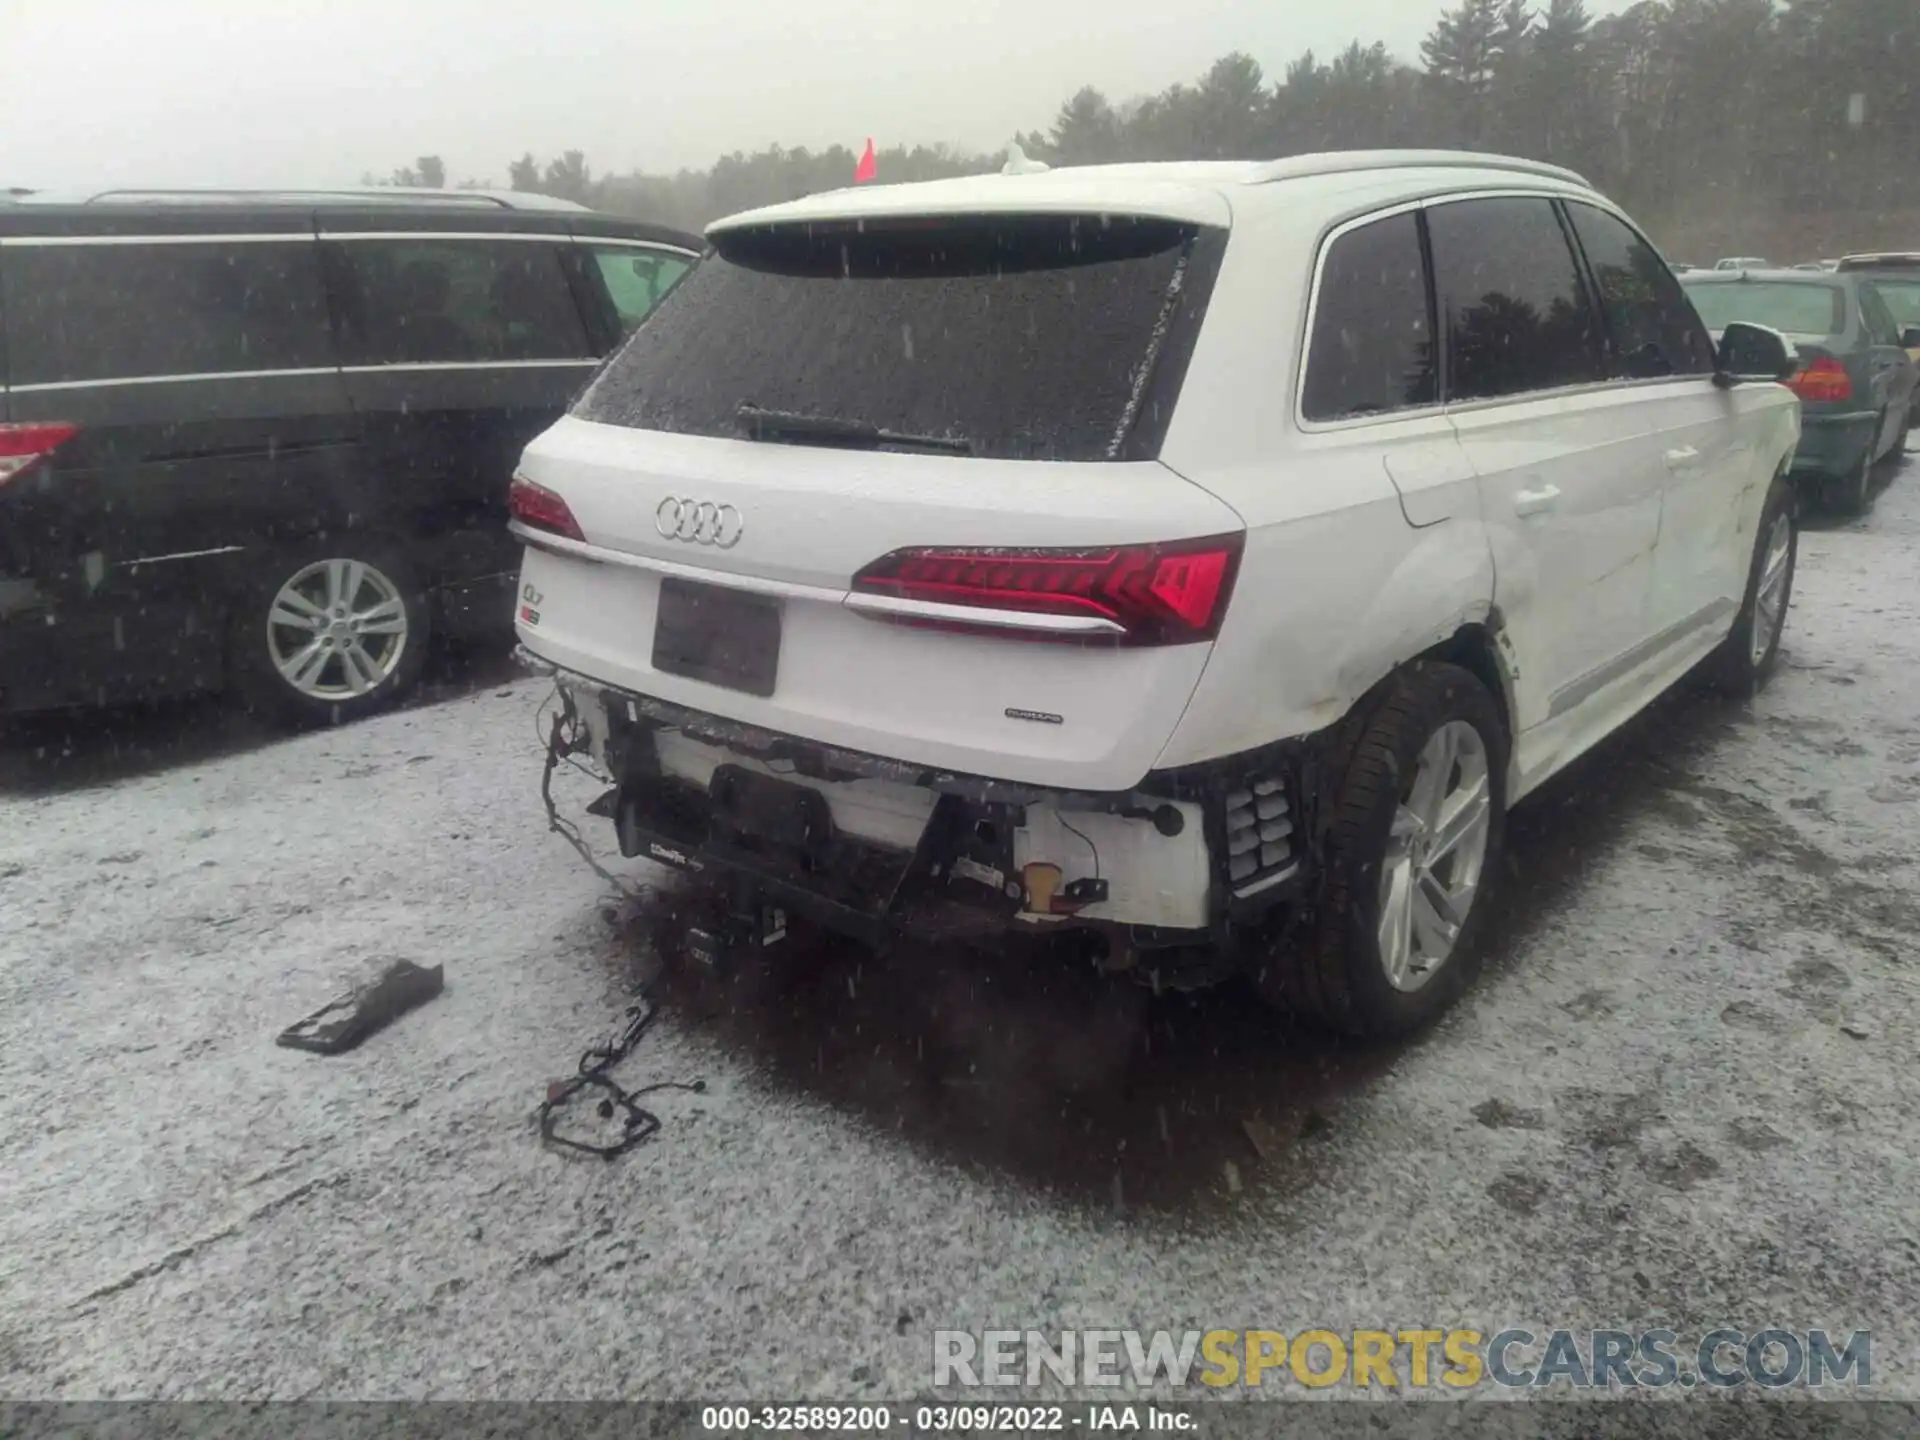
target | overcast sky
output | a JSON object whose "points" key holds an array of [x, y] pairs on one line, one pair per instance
{"points": [[290, 92]]}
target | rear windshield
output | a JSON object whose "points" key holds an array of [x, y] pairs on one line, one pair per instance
{"points": [[1012, 337], [1783, 305]]}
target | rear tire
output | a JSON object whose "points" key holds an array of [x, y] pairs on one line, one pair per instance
{"points": [[1746, 659], [330, 633], [1853, 496], [1411, 850]]}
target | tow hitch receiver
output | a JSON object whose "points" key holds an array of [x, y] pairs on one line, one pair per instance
{"points": [[721, 946]]}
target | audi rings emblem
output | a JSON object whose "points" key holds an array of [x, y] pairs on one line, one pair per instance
{"points": [[699, 522]]}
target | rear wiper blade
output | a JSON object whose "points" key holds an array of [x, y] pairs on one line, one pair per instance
{"points": [[791, 425]]}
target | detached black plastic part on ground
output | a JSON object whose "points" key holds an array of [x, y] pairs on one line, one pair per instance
{"points": [[343, 1022]]}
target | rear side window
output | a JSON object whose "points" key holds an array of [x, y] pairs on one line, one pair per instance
{"points": [[458, 302], [1902, 299], [113, 312], [1514, 311], [1785, 305], [637, 280], [1652, 323], [1881, 329], [1372, 347], [1015, 337]]}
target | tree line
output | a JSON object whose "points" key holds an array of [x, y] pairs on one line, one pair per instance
{"points": [[1676, 107]]}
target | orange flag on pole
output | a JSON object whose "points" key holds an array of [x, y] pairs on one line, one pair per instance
{"points": [[866, 169]]}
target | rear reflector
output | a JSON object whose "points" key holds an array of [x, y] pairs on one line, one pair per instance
{"points": [[1824, 379], [24, 445], [1163, 594], [539, 508]]}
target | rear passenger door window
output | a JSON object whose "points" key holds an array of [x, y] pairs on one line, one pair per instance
{"points": [[1650, 321], [1514, 311], [93, 312], [637, 279], [457, 301], [1372, 350]]}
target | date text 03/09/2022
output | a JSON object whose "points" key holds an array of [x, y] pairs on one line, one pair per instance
{"points": [[934, 1419]]}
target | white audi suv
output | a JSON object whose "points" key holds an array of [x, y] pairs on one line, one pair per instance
{"points": [[1201, 557]]}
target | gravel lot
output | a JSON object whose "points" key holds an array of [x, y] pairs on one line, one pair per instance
{"points": [[1683, 1094]]}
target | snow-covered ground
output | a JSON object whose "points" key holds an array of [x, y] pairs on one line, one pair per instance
{"points": [[1683, 1094]]}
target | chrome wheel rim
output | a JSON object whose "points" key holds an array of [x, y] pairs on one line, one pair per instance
{"points": [[1770, 597], [337, 630], [1436, 847]]}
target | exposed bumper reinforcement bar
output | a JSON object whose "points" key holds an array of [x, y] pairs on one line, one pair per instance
{"points": [[961, 871]]}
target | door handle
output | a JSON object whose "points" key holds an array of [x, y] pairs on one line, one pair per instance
{"points": [[1534, 502], [1682, 458]]}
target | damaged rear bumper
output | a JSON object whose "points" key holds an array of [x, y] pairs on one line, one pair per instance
{"points": [[876, 848]]}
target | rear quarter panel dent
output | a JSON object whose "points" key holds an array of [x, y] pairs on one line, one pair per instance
{"points": [[1444, 582], [1341, 601]]}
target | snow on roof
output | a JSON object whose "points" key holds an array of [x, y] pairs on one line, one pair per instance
{"points": [[1768, 273], [1889, 259], [1069, 191], [1199, 191]]}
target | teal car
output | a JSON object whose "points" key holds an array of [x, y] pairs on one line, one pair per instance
{"points": [[1896, 280], [1857, 384]]}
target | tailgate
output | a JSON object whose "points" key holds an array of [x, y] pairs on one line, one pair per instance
{"points": [[892, 483], [800, 523]]}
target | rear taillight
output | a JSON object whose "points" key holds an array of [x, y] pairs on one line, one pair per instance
{"points": [[1163, 594], [538, 508], [1822, 379], [24, 446]]}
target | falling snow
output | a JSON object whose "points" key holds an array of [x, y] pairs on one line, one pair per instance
{"points": [[1662, 1099]]}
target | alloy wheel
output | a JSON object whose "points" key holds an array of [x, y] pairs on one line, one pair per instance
{"points": [[1770, 596], [1436, 847], [337, 629]]}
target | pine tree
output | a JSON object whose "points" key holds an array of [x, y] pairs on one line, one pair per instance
{"points": [[1462, 55], [1085, 132], [524, 174]]}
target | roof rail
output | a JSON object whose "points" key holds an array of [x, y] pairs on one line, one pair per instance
{"points": [[1335, 162], [397, 194]]}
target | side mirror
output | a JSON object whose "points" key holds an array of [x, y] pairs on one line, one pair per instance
{"points": [[1751, 354], [1910, 338]]}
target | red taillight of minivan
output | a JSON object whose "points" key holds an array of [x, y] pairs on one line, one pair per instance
{"points": [[1161, 594], [1822, 379], [22, 446], [538, 508]]}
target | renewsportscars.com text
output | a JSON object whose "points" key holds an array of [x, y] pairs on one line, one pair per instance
{"points": [[1449, 1359]]}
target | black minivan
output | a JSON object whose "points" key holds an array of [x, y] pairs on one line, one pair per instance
{"points": [[264, 440]]}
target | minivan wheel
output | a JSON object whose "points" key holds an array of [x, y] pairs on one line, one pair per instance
{"points": [[1747, 657], [330, 634], [1412, 847]]}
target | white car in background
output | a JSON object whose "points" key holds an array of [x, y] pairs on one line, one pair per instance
{"points": [[1200, 556]]}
